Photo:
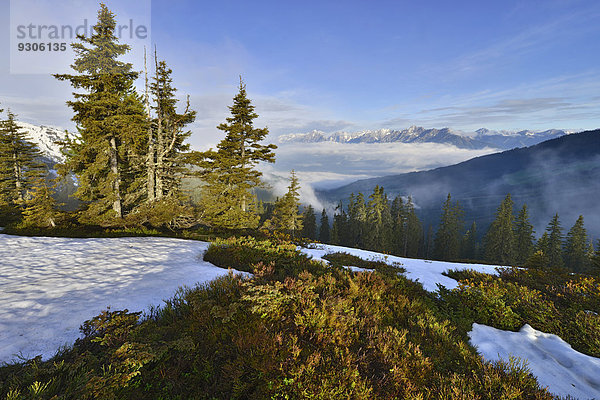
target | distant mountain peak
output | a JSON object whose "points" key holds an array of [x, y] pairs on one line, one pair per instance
{"points": [[45, 138], [480, 139]]}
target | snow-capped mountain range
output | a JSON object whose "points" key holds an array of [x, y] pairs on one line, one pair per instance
{"points": [[45, 138], [479, 139]]}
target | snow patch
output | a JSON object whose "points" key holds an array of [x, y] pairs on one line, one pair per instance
{"points": [[428, 273], [50, 286], [552, 360]]}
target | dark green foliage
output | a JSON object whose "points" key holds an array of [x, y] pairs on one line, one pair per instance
{"points": [[324, 236], [19, 167], [553, 248], [499, 242], [286, 217], [287, 333], [309, 223], [358, 231], [595, 260], [524, 237], [40, 209], [339, 229], [379, 222], [576, 248], [230, 171], [448, 236], [470, 247], [106, 154], [537, 260], [554, 301], [347, 260]]}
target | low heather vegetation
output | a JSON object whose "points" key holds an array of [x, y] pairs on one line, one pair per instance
{"points": [[297, 329]]}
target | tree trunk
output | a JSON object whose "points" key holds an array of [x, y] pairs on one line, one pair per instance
{"points": [[160, 151], [150, 158], [18, 183], [243, 165], [114, 167]]}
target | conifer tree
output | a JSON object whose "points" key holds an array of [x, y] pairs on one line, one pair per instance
{"points": [[339, 229], [554, 246], [524, 237], [595, 260], [399, 218], [379, 221], [166, 161], [499, 241], [542, 244], [446, 245], [576, 247], [40, 208], [414, 231], [324, 236], [230, 172], [19, 165], [286, 217], [357, 220], [469, 246], [309, 222], [111, 123], [538, 260]]}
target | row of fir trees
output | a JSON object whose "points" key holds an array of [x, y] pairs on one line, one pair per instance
{"points": [[392, 226]]}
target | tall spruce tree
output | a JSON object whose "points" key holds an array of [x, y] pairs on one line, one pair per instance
{"points": [[309, 223], [19, 165], [554, 245], [339, 229], [446, 245], [324, 236], [286, 216], [357, 220], [230, 172], [576, 248], [499, 242], [399, 222], [379, 221], [524, 237], [469, 248], [414, 231], [111, 124]]}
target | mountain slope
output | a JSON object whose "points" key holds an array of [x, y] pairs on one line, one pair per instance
{"points": [[559, 175], [45, 138]]}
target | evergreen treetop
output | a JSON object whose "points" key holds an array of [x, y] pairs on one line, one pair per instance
{"points": [[576, 247], [324, 234]]}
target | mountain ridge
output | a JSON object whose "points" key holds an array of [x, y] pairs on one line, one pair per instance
{"points": [[479, 139]]}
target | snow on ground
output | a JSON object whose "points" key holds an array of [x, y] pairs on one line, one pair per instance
{"points": [[429, 273], [50, 286], [552, 360]]}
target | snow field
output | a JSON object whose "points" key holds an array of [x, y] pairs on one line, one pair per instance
{"points": [[50, 286]]}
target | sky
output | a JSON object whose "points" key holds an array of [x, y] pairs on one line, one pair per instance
{"points": [[347, 65]]}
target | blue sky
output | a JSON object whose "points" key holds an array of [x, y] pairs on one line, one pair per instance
{"points": [[351, 65]]}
